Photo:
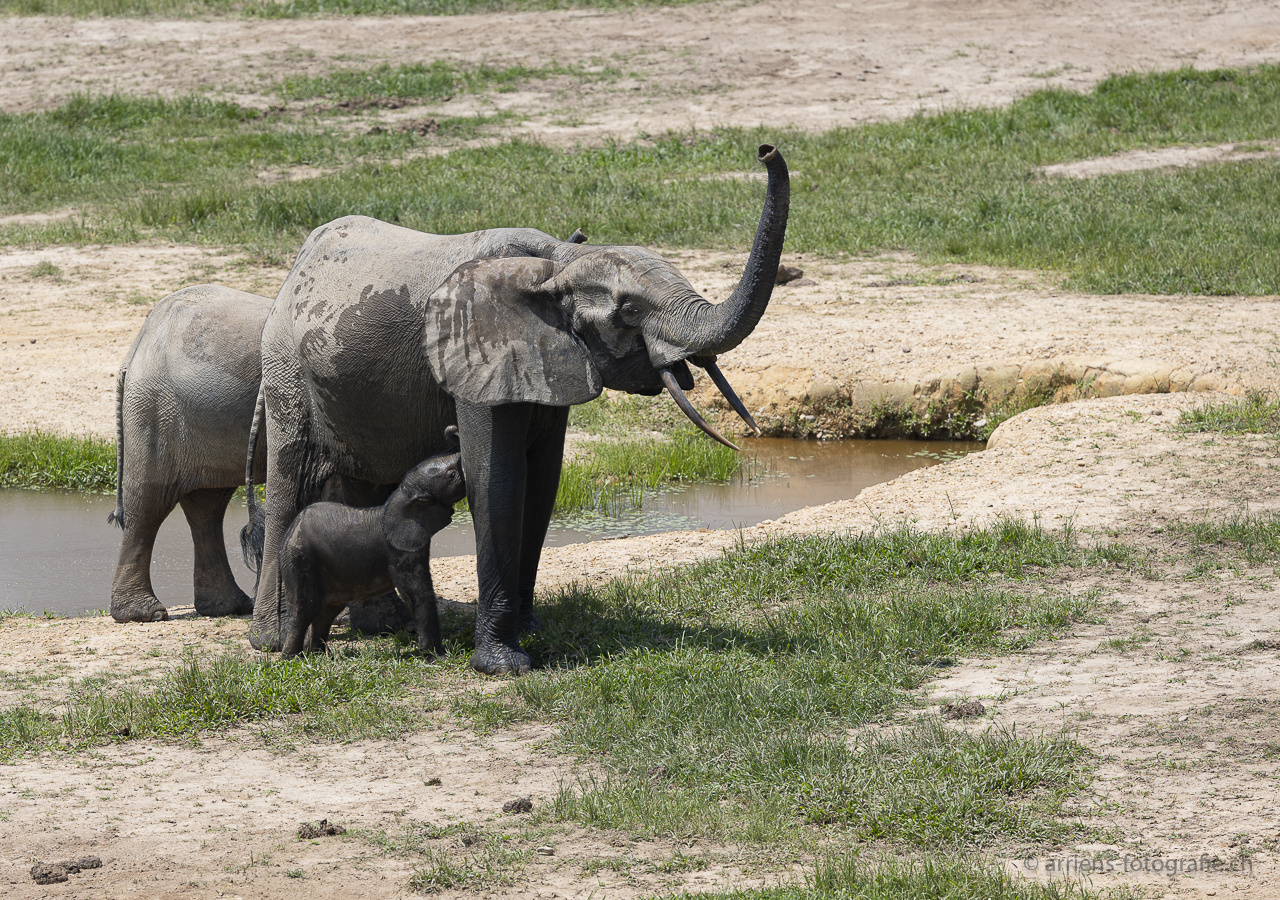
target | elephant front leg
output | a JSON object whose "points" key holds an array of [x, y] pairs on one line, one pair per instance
{"points": [[216, 591], [412, 580], [543, 463], [494, 441]]}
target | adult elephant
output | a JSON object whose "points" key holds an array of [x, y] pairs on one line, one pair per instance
{"points": [[184, 404], [382, 336]]}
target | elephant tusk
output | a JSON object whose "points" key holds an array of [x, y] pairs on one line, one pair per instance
{"points": [[686, 407], [727, 389]]}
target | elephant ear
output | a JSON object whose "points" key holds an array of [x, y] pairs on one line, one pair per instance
{"points": [[497, 333], [400, 528]]}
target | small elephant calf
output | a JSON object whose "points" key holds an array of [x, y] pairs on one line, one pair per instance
{"points": [[335, 554]]}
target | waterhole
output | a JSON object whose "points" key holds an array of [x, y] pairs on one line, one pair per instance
{"points": [[57, 552]]}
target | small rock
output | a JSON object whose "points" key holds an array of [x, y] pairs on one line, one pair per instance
{"points": [[545, 851], [804, 282], [43, 874], [419, 126], [906, 349], [74, 866], [788, 274], [518, 805], [324, 828], [963, 710]]}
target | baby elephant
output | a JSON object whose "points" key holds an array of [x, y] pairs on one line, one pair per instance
{"points": [[335, 554]]}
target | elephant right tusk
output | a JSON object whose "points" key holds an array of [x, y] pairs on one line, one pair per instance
{"points": [[687, 408], [727, 390]]}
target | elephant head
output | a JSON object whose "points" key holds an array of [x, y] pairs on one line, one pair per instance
{"points": [[423, 503], [557, 330]]}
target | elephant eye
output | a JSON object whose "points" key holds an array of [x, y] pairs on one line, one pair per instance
{"points": [[630, 312]]}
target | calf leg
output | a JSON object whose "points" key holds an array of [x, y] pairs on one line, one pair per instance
{"points": [[217, 593]]}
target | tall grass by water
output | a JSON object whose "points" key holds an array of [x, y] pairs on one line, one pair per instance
{"points": [[50, 461]]}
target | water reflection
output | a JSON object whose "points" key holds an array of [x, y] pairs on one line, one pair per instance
{"points": [[57, 551]]}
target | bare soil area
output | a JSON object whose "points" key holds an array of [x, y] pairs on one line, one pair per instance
{"points": [[808, 63], [1174, 692]]}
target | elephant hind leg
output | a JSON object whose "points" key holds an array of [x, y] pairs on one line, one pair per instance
{"points": [[216, 591], [133, 599]]}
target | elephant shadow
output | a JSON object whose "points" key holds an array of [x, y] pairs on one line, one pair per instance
{"points": [[581, 624]]}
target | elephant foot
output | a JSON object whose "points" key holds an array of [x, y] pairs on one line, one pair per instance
{"points": [[265, 643], [145, 608], [229, 604], [500, 659]]}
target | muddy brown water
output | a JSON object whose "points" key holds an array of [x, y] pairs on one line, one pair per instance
{"points": [[57, 552]]}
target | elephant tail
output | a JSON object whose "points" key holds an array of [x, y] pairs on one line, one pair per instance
{"points": [[253, 536], [117, 517]]}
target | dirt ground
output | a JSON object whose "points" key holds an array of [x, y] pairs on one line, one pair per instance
{"points": [[1174, 691]]}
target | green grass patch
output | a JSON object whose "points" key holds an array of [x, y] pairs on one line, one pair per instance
{"points": [[849, 876], [721, 696], [48, 461], [364, 691], [435, 81], [1255, 538], [957, 186], [291, 9], [1258, 412]]}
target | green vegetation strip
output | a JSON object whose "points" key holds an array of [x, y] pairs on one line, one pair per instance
{"points": [[439, 80], [849, 877], [610, 475], [44, 460], [734, 697], [365, 692], [955, 186], [290, 9]]}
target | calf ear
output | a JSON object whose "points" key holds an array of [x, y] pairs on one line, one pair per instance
{"points": [[496, 332], [400, 528]]}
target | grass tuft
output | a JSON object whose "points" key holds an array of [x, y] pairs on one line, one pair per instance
{"points": [[1258, 412]]}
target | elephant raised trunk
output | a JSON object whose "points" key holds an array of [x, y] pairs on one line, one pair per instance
{"points": [[705, 330]]}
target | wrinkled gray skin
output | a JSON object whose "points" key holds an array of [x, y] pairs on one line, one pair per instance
{"points": [[335, 554], [381, 336], [184, 404]]}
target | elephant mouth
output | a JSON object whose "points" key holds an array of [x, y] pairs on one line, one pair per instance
{"points": [[722, 384]]}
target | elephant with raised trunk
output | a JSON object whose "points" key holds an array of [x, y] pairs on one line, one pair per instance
{"points": [[185, 398], [382, 336]]}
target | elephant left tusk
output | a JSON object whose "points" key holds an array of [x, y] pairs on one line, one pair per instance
{"points": [[725, 388], [687, 408]]}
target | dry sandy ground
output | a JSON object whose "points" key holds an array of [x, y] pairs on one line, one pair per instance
{"points": [[811, 63], [867, 330], [1180, 710]]}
